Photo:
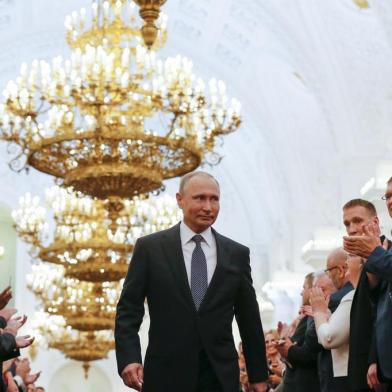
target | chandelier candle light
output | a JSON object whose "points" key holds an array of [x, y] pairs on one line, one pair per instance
{"points": [[114, 120], [52, 332]]}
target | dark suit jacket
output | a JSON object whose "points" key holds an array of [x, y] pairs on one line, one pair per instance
{"points": [[177, 330], [380, 264], [302, 375], [362, 346]]}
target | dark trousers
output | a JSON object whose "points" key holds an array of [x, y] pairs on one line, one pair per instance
{"points": [[207, 380]]}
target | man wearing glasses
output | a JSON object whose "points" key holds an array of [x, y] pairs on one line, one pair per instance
{"points": [[370, 339]]}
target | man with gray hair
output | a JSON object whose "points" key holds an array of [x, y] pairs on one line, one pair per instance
{"points": [[195, 281]]}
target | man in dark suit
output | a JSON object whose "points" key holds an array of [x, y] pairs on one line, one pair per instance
{"points": [[195, 281], [370, 338]]}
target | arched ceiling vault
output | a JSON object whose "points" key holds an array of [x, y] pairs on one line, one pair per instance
{"points": [[315, 81]]}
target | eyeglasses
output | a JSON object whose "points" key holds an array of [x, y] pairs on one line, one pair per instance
{"points": [[387, 196], [330, 269]]}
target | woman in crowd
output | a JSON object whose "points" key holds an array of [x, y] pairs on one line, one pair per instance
{"points": [[275, 365], [333, 330]]}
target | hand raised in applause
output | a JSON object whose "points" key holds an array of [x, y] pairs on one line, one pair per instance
{"points": [[363, 245], [318, 301], [24, 341], [14, 324], [132, 376], [11, 385], [7, 313]]}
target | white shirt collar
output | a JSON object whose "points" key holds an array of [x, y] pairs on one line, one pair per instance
{"points": [[187, 234]]}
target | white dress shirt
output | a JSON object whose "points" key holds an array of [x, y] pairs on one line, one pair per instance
{"points": [[335, 333], [208, 246]]}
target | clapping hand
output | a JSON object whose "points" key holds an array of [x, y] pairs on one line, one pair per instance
{"points": [[318, 301], [284, 346], [14, 324], [363, 245], [24, 341], [7, 313], [11, 385], [31, 378]]}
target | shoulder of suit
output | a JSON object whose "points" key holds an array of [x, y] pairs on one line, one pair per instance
{"points": [[157, 235], [232, 243]]}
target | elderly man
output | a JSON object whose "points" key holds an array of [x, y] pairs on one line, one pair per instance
{"points": [[369, 345], [336, 270], [195, 281]]}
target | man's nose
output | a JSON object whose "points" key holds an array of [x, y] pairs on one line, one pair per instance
{"points": [[207, 205]]}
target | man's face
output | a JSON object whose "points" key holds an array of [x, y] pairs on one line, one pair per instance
{"points": [[199, 202], [325, 284], [337, 271], [388, 201], [355, 218]]}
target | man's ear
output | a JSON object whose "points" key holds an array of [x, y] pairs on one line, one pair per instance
{"points": [[179, 200]]}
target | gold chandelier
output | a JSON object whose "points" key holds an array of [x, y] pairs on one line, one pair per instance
{"points": [[85, 306], [149, 11], [114, 119], [91, 243], [52, 332]]}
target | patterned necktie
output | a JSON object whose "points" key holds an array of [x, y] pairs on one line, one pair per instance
{"points": [[199, 280]]}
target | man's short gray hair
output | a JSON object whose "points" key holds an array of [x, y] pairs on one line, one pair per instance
{"points": [[185, 179]]}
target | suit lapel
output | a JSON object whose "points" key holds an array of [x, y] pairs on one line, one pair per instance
{"points": [[175, 257], [222, 257]]}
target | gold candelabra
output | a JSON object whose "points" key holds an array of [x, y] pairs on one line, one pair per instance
{"points": [[51, 331], [115, 120], [92, 243], [85, 306]]}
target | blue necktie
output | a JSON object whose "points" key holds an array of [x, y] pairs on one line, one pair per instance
{"points": [[199, 279]]}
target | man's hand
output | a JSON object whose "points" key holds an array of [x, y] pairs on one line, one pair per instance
{"points": [[24, 341], [22, 368], [14, 324], [317, 300], [5, 296], [283, 349], [132, 376], [306, 310], [11, 385], [7, 313], [372, 379], [7, 364], [31, 378], [363, 245], [258, 387]]}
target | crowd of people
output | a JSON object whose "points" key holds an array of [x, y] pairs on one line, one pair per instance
{"points": [[341, 340], [15, 370]]}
